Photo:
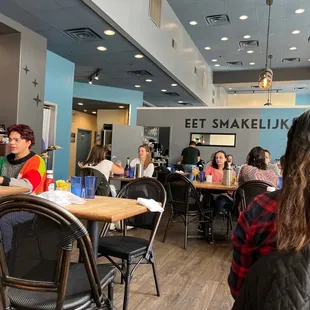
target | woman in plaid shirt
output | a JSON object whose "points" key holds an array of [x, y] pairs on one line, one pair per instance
{"points": [[276, 221]]}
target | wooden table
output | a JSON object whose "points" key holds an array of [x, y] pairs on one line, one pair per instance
{"points": [[215, 186], [11, 190], [122, 179], [104, 209]]}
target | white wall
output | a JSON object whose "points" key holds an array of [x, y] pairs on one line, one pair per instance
{"points": [[258, 100], [133, 17]]}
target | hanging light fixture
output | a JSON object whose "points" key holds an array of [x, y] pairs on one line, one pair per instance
{"points": [[265, 76], [269, 91]]}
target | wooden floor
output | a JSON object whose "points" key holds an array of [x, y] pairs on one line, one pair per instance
{"points": [[195, 278]]}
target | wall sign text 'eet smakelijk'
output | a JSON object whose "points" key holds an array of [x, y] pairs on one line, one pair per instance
{"points": [[244, 123]]}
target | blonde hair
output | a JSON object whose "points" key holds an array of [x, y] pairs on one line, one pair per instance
{"points": [[148, 158]]}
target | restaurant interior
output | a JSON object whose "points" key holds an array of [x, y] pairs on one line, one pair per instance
{"points": [[180, 99]]}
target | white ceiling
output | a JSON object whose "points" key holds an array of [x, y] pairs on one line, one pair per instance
{"points": [[51, 17]]}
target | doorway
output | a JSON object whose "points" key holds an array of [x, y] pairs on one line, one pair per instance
{"points": [[83, 145]]}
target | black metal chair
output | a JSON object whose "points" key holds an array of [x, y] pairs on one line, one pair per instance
{"points": [[161, 174], [185, 203], [134, 251], [36, 241], [248, 191]]}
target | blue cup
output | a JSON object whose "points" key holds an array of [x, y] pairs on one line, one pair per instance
{"points": [[76, 186], [90, 187], [202, 176], [172, 169], [280, 182], [132, 172]]}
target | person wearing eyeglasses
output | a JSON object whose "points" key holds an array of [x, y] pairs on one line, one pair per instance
{"points": [[22, 167]]}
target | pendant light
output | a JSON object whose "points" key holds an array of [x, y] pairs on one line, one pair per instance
{"points": [[265, 76], [269, 91]]}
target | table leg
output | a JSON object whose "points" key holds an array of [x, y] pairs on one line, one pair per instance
{"points": [[93, 231]]}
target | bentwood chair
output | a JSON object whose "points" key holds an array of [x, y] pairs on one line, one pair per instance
{"points": [[134, 251], [36, 241], [185, 204], [248, 191]]}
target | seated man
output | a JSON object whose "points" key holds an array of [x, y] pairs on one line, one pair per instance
{"points": [[22, 167]]}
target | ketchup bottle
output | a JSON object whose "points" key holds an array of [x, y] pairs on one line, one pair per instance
{"points": [[49, 182]]}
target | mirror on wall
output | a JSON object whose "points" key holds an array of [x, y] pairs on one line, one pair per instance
{"points": [[214, 139]]}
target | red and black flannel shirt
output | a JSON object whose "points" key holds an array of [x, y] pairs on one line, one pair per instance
{"points": [[254, 237]]}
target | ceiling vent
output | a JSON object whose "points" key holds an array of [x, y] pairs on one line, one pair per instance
{"points": [[172, 94], [234, 64], [81, 35], [300, 88], [217, 20], [290, 60], [139, 73], [248, 44]]}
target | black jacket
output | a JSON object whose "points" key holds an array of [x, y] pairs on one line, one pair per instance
{"points": [[278, 281]]}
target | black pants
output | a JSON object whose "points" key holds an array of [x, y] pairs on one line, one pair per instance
{"points": [[222, 202]]}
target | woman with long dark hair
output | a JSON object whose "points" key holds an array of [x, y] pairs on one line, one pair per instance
{"points": [[224, 201], [96, 160], [277, 221], [144, 159], [256, 168]]}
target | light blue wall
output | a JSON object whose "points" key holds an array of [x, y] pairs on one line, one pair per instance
{"points": [[275, 140], [59, 90], [111, 94], [302, 99]]}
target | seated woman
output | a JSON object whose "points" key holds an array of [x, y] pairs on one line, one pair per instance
{"points": [[256, 168], [277, 221], [96, 160], [219, 163], [144, 159]]}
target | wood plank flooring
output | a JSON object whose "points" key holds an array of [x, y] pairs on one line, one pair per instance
{"points": [[195, 278]]}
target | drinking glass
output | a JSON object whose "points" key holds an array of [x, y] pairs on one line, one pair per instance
{"points": [[90, 186], [195, 172], [76, 186]]}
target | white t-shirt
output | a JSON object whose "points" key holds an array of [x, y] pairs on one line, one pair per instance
{"points": [[104, 167], [148, 172]]}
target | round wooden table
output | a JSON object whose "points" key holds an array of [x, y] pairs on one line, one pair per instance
{"points": [[11, 190]]}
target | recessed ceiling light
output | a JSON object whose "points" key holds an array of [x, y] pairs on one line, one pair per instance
{"points": [[217, 65], [252, 63], [80, 103], [296, 32], [174, 84], [180, 101], [207, 48], [164, 90], [94, 112], [109, 32], [243, 17], [121, 107], [293, 48], [85, 110], [299, 11], [139, 56], [101, 48], [309, 59], [250, 52], [137, 86], [224, 39], [230, 88], [214, 60], [247, 36], [193, 23], [148, 80]]}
